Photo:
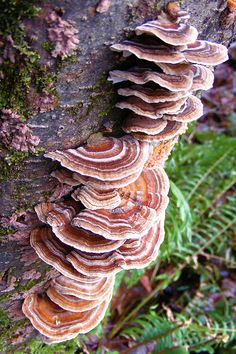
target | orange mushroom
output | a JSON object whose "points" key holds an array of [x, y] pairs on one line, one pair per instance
{"points": [[169, 32], [106, 159], [58, 324], [133, 254]]}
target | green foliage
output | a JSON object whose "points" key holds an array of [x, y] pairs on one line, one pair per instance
{"points": [[69, 347], [201, 176], [13, 10], [26, 71], [200, 221]]}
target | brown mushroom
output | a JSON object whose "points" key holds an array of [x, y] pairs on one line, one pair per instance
{"points": [[152, 181], [142, 76], [58, 324], [151, 110], [149, 52], [192, 110], [100, 185], [174, 13], [142, 203], [107, 159], [133, 254], [206, 53], [152, 95], [57, 216], [97, 199], [65, 176], [53, 252], [88, 291], [127, 221], [136, 123], [171, 130], [203, 77], [169, 32], [72, 303]]}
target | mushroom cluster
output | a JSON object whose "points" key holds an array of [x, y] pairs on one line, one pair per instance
{"points": [[114, 218], [169, 65]]}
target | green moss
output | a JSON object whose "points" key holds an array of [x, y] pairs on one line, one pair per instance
{"points": [[71, 58], [102, 80], [15, 157], [48, 46], [17, 76], [38, 151], [44, 79], [6, 231], [7, 334], [8, 163], [26, 72], [4, 320], [69, 347], [26, 286], [12, 10]]}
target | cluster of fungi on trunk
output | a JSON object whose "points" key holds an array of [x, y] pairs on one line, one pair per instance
{"points": [[114, 219]]}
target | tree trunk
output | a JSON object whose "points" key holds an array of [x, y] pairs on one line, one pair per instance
{"points": [[86, 106]]}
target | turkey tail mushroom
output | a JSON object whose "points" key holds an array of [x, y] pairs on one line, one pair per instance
{"points": [[114, 218]]}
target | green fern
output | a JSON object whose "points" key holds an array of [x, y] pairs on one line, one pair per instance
{"points": [[200, 220]]}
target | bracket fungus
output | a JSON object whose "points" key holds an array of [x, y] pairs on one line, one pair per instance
{"points": [[114, 217]]}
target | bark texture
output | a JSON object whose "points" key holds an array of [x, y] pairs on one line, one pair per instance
{"points": [[86, 106]]}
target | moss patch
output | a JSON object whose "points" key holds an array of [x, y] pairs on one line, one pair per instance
{"points": [[24, 72]]}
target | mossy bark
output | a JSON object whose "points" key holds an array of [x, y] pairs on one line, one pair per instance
{"points": [[85, 106]]}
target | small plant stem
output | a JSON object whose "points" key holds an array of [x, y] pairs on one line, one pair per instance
{"points": [[218, 196], [201, 180], [138, 307], [170, 331], [200, 250]]}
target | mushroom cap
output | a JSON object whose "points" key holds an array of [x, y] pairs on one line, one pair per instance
{"points": [[65, 176], [133, 254], [142, 76], [55, 214], [72, 303], [97, 199], [151, 181], [143, 202], [171, 130], [59, 219], [127, 221], [136, 123], [106, 159], [175, 69], [152, 95], [100, 185], [203, 77], [149, 52], [151, 110], [88, 291], [59, 324], [171, 33], [192, 110], [53, 252], [84, 240], [206, 53]]}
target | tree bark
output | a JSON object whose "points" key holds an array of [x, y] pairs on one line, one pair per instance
{"points": [[86, 106]]}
